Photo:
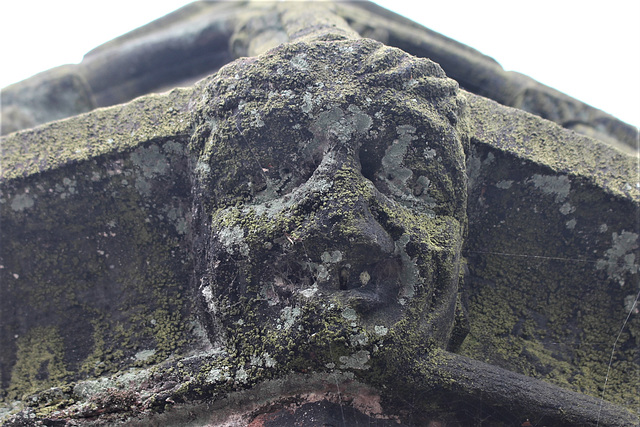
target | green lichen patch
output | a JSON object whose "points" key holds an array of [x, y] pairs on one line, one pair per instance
{"points": [[40, 362]]}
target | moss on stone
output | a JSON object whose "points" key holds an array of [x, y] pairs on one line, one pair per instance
{"points": [[303, 164], [40, 362], [531, 138], [101, 132], [538, 302], [100, 260]]}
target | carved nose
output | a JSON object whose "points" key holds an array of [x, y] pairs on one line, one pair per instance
{"points": [[354, 244], [347, 207], [359, 230], [368, 275]]}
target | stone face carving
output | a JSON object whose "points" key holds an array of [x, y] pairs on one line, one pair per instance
{"points": [[350, 179], [328, 231]]}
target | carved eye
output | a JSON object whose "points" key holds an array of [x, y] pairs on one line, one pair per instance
{"points": [[396, 164], [258, 163]]}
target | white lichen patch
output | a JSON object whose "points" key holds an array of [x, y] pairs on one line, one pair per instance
{"points": [[143, 186], [380, 330], [89, 388], [144, 355], [350, 314], [357, 360], [177, 218], [309, 292], [150, 161], [241, 375], [410, 84], [429, 153], [335, 124], [207, 293], [619, 260], [67, 188], [361, 121], [175, 148], [21, 202], [322, 273], [504, 185], [394, 156], [202, 169], [331, 258], [256, 360], [566, 209], [475, 164], [307, 103], [288, 315], [299, 62], [257, 120], [558, 186], [571, 224], [70, 185], [232, 238], [272, 205], [217, 374], [345, 49], [364, 278], [213, 123], [359, 340], [269, 361], [397, 175]]}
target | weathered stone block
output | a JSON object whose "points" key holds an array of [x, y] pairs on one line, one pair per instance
{"points": [[552, 251], [95, 254]]}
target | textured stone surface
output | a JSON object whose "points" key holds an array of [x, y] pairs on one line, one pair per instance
{"points": [[322, 188], [330, 231]]}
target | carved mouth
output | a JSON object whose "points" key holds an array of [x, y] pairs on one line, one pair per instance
{"points": [[363, 300], [376, 286]]}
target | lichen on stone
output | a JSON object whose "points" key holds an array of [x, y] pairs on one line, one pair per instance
{"points": [[620, 259]]}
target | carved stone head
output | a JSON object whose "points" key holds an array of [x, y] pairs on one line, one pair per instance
{"points": [[332, 198]]}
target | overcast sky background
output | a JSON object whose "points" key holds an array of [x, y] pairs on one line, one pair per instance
{"points": [[588, 50]]}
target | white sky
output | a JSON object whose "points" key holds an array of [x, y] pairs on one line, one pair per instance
{"points": [[589, 50]]}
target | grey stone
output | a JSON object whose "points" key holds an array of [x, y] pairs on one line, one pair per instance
{"points": [[55, 94]]}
